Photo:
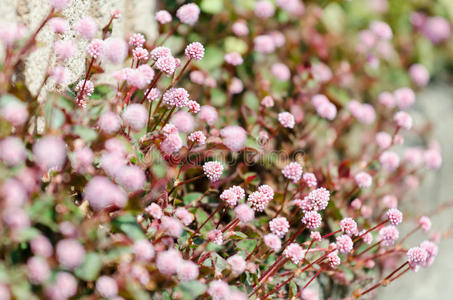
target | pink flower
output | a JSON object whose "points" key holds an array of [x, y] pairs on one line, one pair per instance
{"points": [[10, 33], [333, 259], [194, 51], [366, 237], [318, 199], [437, 29], [184, 215], [240, 28], [167, 262], [326, 110], [109, 122], [278, 38], [135, 116], [403, 120], [233, 58], [390, 201], [309, 294], [294, 252], [273, 242], [188, 13], [187, 270], [389, 160], [344, 244], [237, 264], [106, 286], [193, 106], [394, 216], [213, 170], [315, 236], [293, 171], [432, 251], [38, 270], [281, 72], [432, 158], [258, 200], [140, 54], [154, 210], [383, 140], [234, 137], [363, 179], [230, 197], [388, 235], [163, 17], [424, 223], [60, 75], [264, 9], [183, 121], [215, 236], [387, 99], [197, 77], [116, 13], [176, 97], [169, 129], [41, 246], [59, 4], [267, 101], [264, 44], [294, 7], [310, 179], [321, 72], [88, 88], [279, 226], [14, 112], [131, 178], [236, 86], [12, 151], [208, 114], [244, 213], [219, 290], [363, 112], [96, 48], [58, 25], [416, 256], [137, 40], [419, 74], [349, 226], [312, 219], [381, 30], [171, 226], [197, 137], [153, 95], [70, 253], [13, 193], [86, 27], [82, 159], [49, 152], [101, 193], [166, 64], [16, 218], [159, 52], [286, 119], [266, 190], [404, 97], [143, 250], [115, 50]]}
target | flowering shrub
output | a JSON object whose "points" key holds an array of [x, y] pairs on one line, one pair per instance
{"points": [[247, 172]]}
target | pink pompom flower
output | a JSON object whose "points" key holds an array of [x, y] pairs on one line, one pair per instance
{"points": [[388, 235], [194, 51], [404, 97], [86, 27], [279, 226], [166, 64], [12, 151], [101, 193], [171, 226], [363, 179], [294, 252], [240, 28], [208, 114], [183, 121], [244, 213], [234, 137], [281, 72], [273, 242], [176, 97], [163, 17], [197, 137], [310, 179], [419, 74], [184, 215], [167, 262], [215, 236], [349, 226], [344, 244], [312, 219], [107, 287], [264, 9], [70, 253], [213, 170], [137, 40], [394, 216], [333, 259], [264, 44], [58, 25], [115, 50], [293, 171], [171, 144], [50, 152], [416, 256], [233, 58], [135, 116], [143, 250], [403, 120], [424, 223], [188, 14], [258, 200], [187, 270], [237, 264], [389, 160], [286, 119], [109, 122], [219, 290], [59, 4]]}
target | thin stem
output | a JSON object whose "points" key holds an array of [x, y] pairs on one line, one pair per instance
{"points": [[284, 200], [308, 283]]}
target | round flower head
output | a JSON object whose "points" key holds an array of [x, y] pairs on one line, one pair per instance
{"points": [[315, 236], [286, 119], [333, 259], [215, 236], [244, 213], [383, 140], [349, 226], [101, 193], [236, 86], [267, 101], [267, 191], [86, 27], [153, 95], [419, 74], [49, 152], [381, 30], [131, 178], [154, 211], [437, 29], [233, 58], [109, 122], [59, 4], [70, 253], [403, 120], [137, 40], [219, 290], [163, 17], [82, 159], [294, 252], [432, 158], [143, 250], [166, 64], [194, 51], [318, 199], [16, 218], [41, 246], [184, 215], [387, 99], [60, 75], [344, 244], [197, 137], [310, 179], [84, 88], [140, 53], [273, 242], [388, 235], [135, 116], [279, 226], [167, 262], [240, 28], [366, 237], [363, 179], [364, 113], [424, 223], [389, 160], [213, 170], [237, 264], [13, 192], [171, 226], [326, 110], [264, 9], [96, 48], [416, 256], [208, 114], [12, 151], [159, 52], [309, 294], [38, 269], [404, 97], [15, 112], [312, 219], [264, 44], [234, 137], [281, 72], [115, 50], [10, 33], [66, 49], [258, 200], [229, 197], [394, 216], [188, 13], [187, 270], [176, 97], [183, 121], [171, 144], [293, 171], [106, 287], [321, 72], [432, 251]]}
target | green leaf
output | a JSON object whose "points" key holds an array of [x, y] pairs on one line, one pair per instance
{"points": [[190, 197], [87, 134], [128, 224], [247, 245], [213, 58], [159, 170], [334, 18], [212, 6], [191, 289], [201, 216], [89, 270], [218, 97], [58, 118], [233, 44]]}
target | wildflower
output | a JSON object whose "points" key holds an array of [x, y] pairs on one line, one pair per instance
{"points": [[109, 122], [15, 218], [194, 51], [387, 99], [213, 170], [171, 144], [403, 120], [237, 264], [318, 199], [70, 253], [264, 9], [106, 286], [363, 179], [41, 246], [101, 193], [333, 259], [12, 151], [86, 27], [404, 97], [154, 210], [424, 223], [163, 17], [258, 200], [219, 290], [273, 242], [388, 235], [193, 106], [234, 137], [208, 114], [188, 14], [389, 160], [432, 251], [59, 4], [140, 53], [437, 29], [183, 121], [321, 72], [85, 88], [64, 49], [240, 28], [416, 256], [381, 30], [38, 269], [286, 119], [279, 226], [171, 226], [14, 112], [176, 97], [310, 179], [58, 25], [267, 101], [281, 72], [244, 213], [432, 158], [96, 48], [137, 40], [131, 178], [419, 74], [167, 262], [236, 86], [187, 270], [115, 50], [264, 44], [312, 219], [197, 137], [166, 64], [294, 252], [365, 113], [49, 152], [153, 95], [60, 75], [394, 216], [135, 116], [349, 226], [215, 236], [344, 244], [267, 191], [143, 250], [233, 58], [184, 215]]}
